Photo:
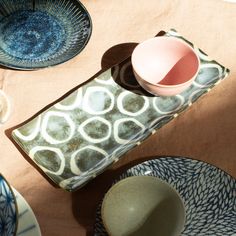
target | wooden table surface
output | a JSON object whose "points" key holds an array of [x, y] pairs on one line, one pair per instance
{"points": [[206, 131]]}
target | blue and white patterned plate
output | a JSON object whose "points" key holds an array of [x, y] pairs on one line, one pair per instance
{"points": [[209, 194], [27, 222], [8, 209]]}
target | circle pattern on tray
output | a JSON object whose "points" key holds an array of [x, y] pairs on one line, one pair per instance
{"points": [[8, 209], [209, 194], [25, 42], [109, 113]]}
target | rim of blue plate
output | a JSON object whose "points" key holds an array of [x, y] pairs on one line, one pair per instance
{"points": [[157, 157], [184, 157], [14, 197], [17, 67]]}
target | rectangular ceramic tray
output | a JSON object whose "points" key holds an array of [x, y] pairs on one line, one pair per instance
{"points": [[75, 139]]}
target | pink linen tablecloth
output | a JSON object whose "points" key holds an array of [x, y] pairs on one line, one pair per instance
{"points": [[206, 131]]}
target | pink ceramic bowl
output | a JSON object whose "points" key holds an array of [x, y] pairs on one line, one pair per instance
{"points": [[165, 66]]}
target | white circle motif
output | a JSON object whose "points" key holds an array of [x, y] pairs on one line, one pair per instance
{"points": [[95, 140], [208, 65], [46, 118], [156, 121], [194, 93], [116, 129], [75, 104], [121, 108], [59, 153], [181, 98], [32, 135], [74, 168], [91, 90]]}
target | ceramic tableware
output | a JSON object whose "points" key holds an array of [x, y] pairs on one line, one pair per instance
{"points": [[209, 194], [165, 66], [42, 33], [143, 205], [78, 137], [27, 222], [8, 209]]}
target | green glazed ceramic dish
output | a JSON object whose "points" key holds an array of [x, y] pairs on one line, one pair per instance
{"points": [[75, 139], [143, 205]]}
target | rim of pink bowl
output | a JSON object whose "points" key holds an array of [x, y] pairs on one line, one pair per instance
{"points": [[174, 39]]}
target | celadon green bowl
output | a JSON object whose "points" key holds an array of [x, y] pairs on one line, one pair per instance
{"points": [[143, 205]]}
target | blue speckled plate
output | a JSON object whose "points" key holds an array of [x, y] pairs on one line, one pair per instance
{"points": [[209, 194], [41, 33]]}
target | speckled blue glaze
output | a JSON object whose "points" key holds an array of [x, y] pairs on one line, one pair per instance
{"points": [[42, 33], [23, 37]]}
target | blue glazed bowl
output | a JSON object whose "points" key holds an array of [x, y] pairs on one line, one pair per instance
{"points": [[8, 209], [41, 33]]}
